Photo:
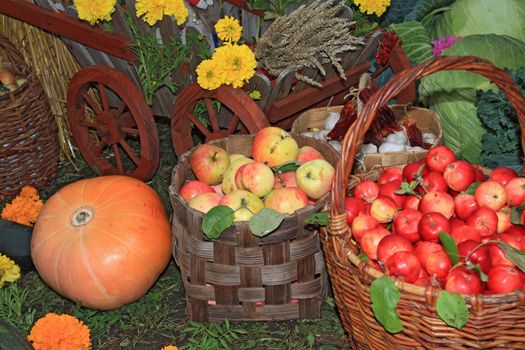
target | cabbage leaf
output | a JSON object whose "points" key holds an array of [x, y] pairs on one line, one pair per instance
{"points": [[415, 41], [469, 17], [452, 94]]}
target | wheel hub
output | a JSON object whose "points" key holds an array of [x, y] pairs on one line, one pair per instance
{"points": [[109, 128]]}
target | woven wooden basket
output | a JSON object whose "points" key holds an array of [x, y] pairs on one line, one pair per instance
{"points": [[495, 321], [240, 276], [426, 120], [29, 149]]}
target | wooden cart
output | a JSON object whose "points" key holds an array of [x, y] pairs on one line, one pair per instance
{"points": [[113, 126]]}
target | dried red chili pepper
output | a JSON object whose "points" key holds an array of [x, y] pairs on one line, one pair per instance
{"points": [[384, 123], [415, 136], [348, 116]]}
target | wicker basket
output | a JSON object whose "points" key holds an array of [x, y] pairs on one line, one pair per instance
{"points": [[243, 277], [29, 149], [426, 120], [495, 321]]}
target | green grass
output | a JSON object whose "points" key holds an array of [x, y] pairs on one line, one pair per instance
{"points": [[159, 318]]}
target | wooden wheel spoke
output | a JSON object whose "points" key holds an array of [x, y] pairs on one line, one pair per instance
{"points": [[212, 114], [120, 167], [129, 151], [88, 124], [233, 124], [120, 109], [198, 124], [97, 149], [103, 96], [130, 131], [91, 102]]}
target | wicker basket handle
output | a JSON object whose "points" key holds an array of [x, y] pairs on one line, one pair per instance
{"points": [[355, 134], [19, 66]]}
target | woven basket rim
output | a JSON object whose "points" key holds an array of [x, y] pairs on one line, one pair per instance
{"points": [[239, 225]]}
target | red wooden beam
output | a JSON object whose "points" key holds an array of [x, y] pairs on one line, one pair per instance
{"points": [[64, 25], [242, 5]]}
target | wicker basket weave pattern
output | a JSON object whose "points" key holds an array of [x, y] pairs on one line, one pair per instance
{"points": [[29, 149], [495, 321], [243, 277]]}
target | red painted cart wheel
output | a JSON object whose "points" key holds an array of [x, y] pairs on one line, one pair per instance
{"points": [[222, 112], [111, 123]]}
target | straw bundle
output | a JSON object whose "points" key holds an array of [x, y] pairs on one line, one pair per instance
{"points": [[51, 61]]}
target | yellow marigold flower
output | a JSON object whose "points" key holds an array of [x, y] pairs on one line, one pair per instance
{"points": [[170, 347], [208, 76], [9, 271], [228, 29], [372, 6], [24, 209], [60, 332], [255, 95], [154, 10], [178, 9], [237, 62], [94, 11]]}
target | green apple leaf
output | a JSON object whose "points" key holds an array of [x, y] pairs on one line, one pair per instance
{"points": [[482, 275], [515, 215], [452, 309], [321, 219], [363, 257], [265, 221], [472, 188], [217, 220], [287, 167], [384, 296], [516, 256], [450, 247]]}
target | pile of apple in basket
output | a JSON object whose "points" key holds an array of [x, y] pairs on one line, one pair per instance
{"points": [[280, 179], [441, 221]]}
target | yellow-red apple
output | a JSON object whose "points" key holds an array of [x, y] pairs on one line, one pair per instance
{"points": [[256, 178], [205, 201], [315, 178], [286, 200], [274, 146], [307, 153], [193, 188], [285, 180], [228, 182], [209, 163], [243, 203]]}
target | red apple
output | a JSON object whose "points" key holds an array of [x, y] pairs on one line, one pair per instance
{"points": [[439, 157], [286, 200], [431, 224], [209, 163], [389, 190], [491, 194], [515, 190], [285, 180], [390, 174], [480, 175], [361, 224], [411, 169], [503, 220], [497, 256], [392, 244], [371, 239], [406, 224], [464, 205], [353, 206], [484, 220], [465, 233], [437, 201], [519, 233], [438, 264], [502, 175], [383, 209], [367, 191], [459, 175], [433, 181], [504, 279], [274, 146], [192, 188], [480, 256], [307, 153], [424, 248], [411, 202], [463, 281], [403, 264], [455, 222], [205, 201]]}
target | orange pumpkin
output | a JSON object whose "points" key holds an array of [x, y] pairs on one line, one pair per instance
{"points": [[102, 242]]}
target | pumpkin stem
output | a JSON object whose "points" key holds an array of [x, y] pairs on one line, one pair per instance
{"points": [[82, 216]]}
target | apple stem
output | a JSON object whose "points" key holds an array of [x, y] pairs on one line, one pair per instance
{"points": [[467, 258]]}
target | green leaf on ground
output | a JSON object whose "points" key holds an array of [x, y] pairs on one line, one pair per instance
{"points": [[216, 221], [452, 309], [385, 296], [265, 221], [450, 247]]}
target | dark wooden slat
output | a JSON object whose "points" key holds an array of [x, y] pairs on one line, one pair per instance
{"points": [[68, 27], [225, 254], [276, 254], [250, 275]]}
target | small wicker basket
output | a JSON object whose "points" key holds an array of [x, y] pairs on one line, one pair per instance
{"points": [[29, 149], [495, 321], [240, 276]]}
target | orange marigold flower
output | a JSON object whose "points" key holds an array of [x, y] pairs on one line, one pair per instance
{"points": [[24, 209], [60, 332], [170, 347]]}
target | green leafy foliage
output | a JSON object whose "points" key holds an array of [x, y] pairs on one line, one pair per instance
{"points": [[397, 11], [385, 296], [217, 220], [212, 336], [265, 221], [452, 309], [13, 300], [501, 145], [482, 275], [515, 215], [472, 188], [450, 247], [416, 42], [321, 219], [516, 256], [424, 8], [274, 8], [287, 167]]}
